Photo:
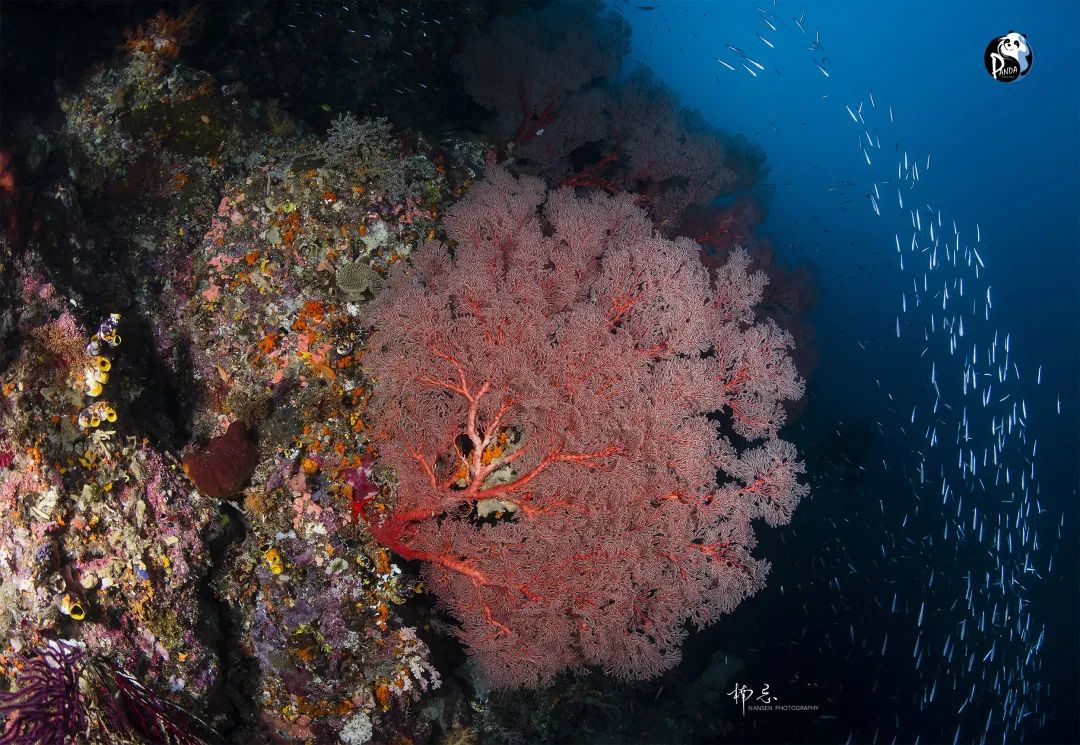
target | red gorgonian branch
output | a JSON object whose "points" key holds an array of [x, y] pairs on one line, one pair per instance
{"points": [[546, 385]]}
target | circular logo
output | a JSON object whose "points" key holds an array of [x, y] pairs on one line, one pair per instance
{"points": [[1008, 58]]}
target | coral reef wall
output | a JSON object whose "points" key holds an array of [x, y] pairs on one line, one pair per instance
{"points": [[325, 408]]}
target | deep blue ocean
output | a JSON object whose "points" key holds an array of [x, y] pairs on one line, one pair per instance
{"points": [[1004, 161]]}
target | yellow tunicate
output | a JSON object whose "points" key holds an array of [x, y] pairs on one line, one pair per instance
{"points": [[102, 363], [70, 606], [273, 558], [96, 413], [94, 388]]}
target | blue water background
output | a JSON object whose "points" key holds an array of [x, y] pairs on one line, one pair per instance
{"points": [[1005, 156]]}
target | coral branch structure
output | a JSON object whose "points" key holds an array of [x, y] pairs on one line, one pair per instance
{"points": [[561, 388]]}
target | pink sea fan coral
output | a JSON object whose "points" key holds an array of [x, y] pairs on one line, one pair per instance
{"points": [[547, 381]]}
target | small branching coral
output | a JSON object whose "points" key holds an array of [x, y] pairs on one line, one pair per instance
{"points": [[349, 139], [67, 695], [369, 149], [161, 36]]}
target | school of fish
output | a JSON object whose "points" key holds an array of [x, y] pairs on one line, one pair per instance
{"points": [[975, 528]]}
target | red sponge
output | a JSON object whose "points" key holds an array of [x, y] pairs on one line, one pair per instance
{"points": [[223, 467]]}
